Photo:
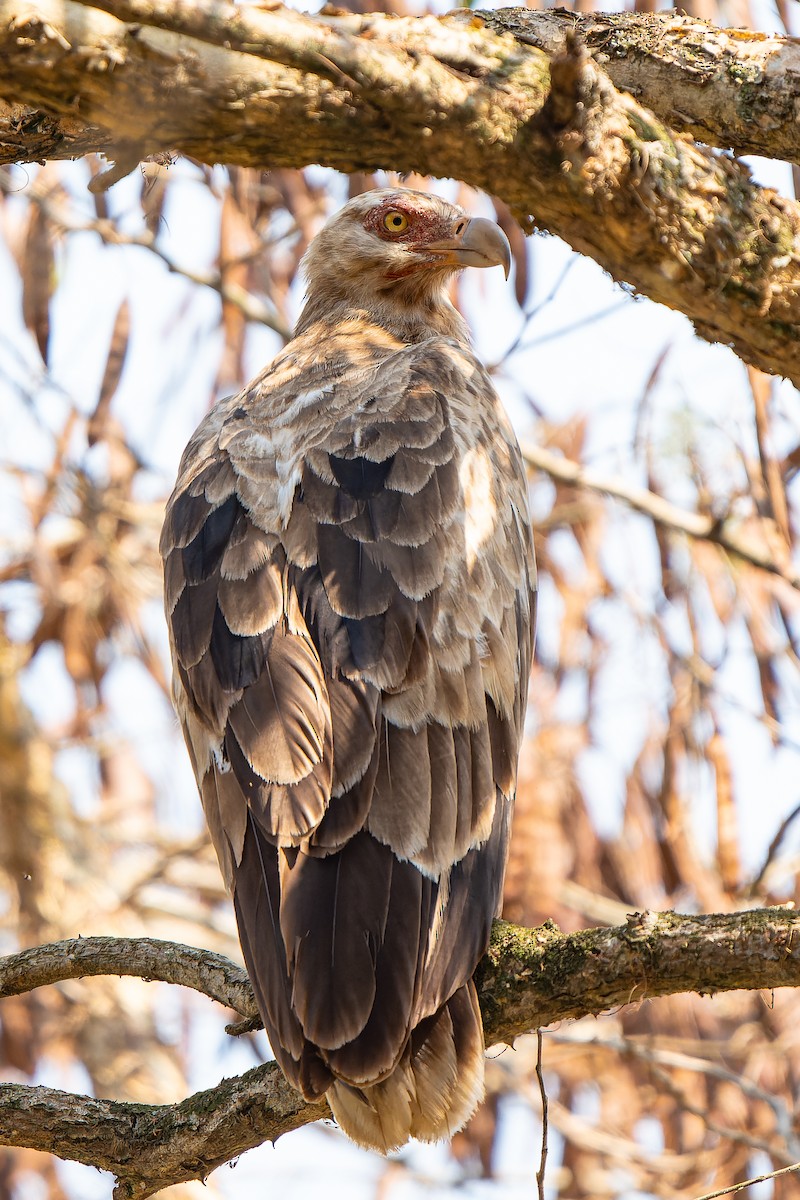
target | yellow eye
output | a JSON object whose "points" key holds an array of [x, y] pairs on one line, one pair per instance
{"points": [[395, 221]]}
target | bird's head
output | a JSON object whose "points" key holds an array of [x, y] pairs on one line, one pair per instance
{"points": [[391, 252]]}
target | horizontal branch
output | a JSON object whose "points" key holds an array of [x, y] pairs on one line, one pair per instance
{"points": [[529, 978], [695, 525], [142, 958], [444, 96], [732, 88]]}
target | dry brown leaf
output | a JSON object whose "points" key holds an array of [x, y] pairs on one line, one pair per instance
{"points": [[728, 855], [38, 278], [115, 362]]}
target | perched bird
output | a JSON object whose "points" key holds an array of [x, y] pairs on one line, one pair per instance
{"points": [[350, 595]]}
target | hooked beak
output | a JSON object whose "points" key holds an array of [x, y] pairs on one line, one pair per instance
{"points": [[475, 243]]}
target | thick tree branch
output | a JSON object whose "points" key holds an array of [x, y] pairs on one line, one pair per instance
{"points": [[444, 96], [529, 978], [143, 958], [731, 88]]}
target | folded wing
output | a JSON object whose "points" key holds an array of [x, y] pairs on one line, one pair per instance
{"points": [[349, 586]]}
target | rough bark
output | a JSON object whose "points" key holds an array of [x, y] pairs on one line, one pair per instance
{"points": [[732, 88], [447, 97], [528, 979]]}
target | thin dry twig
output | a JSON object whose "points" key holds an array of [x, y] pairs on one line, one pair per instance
{"points": [[664, 513], [107, 230], [540, 1174], [773, 848], [738, 1187]]}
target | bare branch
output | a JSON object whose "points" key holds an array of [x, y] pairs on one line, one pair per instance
{"points": [[143, 958], [529, 978], [108, 231], [447, 97], [695, 525], [148, 1147]]}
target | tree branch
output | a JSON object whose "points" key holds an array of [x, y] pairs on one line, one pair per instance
{"points": [[109, 232], [529, 978], [445, 96], [732, 88], [722, 532]]}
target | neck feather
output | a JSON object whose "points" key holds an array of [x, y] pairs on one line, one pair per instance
{"points": [[410, 316]]}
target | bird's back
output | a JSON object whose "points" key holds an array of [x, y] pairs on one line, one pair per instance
{"points": [[350, 582]]}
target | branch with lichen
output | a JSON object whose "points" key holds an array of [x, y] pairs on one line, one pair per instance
{"points": [[529, 978], [731, 88], [445, 96]]}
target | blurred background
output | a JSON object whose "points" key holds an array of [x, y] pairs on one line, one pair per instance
{"points": [[662, 760]]}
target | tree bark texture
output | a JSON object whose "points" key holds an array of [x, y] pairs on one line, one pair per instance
{"points": [[444, 96], [529, 978], [732, 88]]}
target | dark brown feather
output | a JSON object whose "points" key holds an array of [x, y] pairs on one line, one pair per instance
{"points": [[174, 580], [207, 700], [354, 715], [204, 553], [346, 814], [326, 501], [254, 604], [285, 813], [359, 477], [282, 721], [409, 472], [354, 584], [247, 552], [256, 899], [504, 742], [439, 847], [184, 520], [192, 620], [238, 661], [398, 975], [416, 570], [377, 518], [400, 815], [473, 894], [333, 917]]}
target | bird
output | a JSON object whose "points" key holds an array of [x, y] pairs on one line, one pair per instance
{"points": [[350, 592]]}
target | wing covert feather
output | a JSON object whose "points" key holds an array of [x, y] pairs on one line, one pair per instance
{"points": [[349, 601]]}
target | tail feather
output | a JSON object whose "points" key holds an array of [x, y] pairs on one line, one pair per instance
{"points": [[432, 1092], [459, 1093]]}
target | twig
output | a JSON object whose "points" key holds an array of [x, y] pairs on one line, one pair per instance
{"points": [[737, 1187], [663, 1057], [543, 1093], [774, 847], [108, 232], [694, 525]]}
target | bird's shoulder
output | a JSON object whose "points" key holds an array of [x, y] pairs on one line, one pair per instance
{"points": [[337, 562], [351, 389]]}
